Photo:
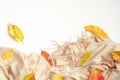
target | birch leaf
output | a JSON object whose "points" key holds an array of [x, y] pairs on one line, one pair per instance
{"points": [[85, 57], [29, 77], [116, 55], [8, 54], [97, 31], [15, 33]]}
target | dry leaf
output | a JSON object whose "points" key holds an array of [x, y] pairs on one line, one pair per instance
{"points": [[29, 77], [15, 32], [96, 75], [8, 54], [116, 55], [96, 30], [47, 57], [58, 77], [85, 57]]}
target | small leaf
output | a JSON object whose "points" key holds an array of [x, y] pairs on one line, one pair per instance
{"points": [[96, 75], [15, 33], [8, 54], [29, 77], [116, 55], [58, 77], [97, 31], [85, 57], [47, 57]]}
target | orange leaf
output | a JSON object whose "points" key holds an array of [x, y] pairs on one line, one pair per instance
{"points": [[116, 55], [47, 57], [96, 75]]}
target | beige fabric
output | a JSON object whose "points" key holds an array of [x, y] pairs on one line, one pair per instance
{"points": [[66, 61], [20, 65], [67, 58]]}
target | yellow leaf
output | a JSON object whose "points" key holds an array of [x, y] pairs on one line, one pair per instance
{"points": [[8, 54], [29, 77], [15, 32], [58, 77], [85, 57], [96, 30], [116, 55]]}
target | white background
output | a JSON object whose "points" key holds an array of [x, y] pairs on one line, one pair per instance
{"points": [[45, 20]]}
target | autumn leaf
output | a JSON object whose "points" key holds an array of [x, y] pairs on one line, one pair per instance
{"points": [[96, 75], [58, 77], [97, 31], [29, 77], [116, 55], [85, 57], [47, 56], [15, 33], [8, 54]]}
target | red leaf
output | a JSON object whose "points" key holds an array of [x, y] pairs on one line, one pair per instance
{"points": [[96, 75]]}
